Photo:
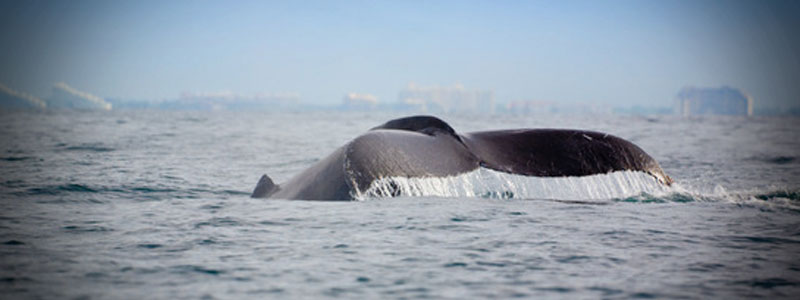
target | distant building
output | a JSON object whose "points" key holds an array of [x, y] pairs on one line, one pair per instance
{"points": [[533, 107], [453, 99], [354, 101], [713, 101], [232, 101], [530, 107]]}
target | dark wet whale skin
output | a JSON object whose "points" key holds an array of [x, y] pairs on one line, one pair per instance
{"points": [[425, 146]]}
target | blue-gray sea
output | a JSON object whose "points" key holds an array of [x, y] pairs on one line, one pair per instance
{"points": [[155, 205]]}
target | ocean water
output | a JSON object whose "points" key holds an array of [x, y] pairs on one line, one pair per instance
{"points": [[155, 204]]}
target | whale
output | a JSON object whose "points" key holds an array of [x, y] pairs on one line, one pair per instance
{"points": [[426, 146]]}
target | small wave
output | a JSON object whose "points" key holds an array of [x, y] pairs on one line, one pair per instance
{"points": [[86, 228], [768, 283], [235, 193], [780, 160], [765, 240], [59, 189], [145, 192], [148, 190], [150, 246], [782, 194], [13, 184], [218, 222], [776, 160], [12, 280], [194, 119], [665, 198], [185, 269], [17, 158], [769, 197], [765, 198], [94, 147], [273, 223]]}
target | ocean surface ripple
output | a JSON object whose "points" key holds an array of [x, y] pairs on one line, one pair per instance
{"points": [[155, 204]]}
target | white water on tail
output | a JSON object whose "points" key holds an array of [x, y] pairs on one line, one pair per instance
{"points": [[493, 184]]}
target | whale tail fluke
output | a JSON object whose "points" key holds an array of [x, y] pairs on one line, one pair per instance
{"points": [[264, 188], [560, 152]]}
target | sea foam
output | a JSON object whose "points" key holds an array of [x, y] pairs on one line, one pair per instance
{"points": [[493, 184]]}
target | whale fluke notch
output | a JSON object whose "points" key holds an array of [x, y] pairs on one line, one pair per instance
{"points": [[422, 124]]}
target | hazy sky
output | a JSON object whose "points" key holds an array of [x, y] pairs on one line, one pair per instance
{"points": [[615, 52]]}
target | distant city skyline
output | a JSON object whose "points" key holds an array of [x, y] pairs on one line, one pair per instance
{"points": [[614, 53]]}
